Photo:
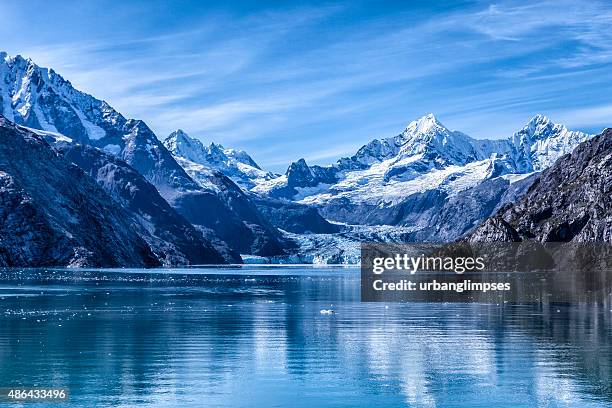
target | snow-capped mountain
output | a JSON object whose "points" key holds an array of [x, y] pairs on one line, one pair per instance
{"points": [[425, 155], [417, 182], [424, 175], [235, 164], [540, 143], [425, 138], [39, 98]]}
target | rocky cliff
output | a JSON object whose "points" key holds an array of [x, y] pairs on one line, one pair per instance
{"points": [[53, 214], [171, 237], [570, 201]]}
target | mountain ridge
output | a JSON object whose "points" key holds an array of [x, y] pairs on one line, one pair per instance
{"points": [[570, 201], [40, 98], [53, 214], [236, 164], [416, 181]]}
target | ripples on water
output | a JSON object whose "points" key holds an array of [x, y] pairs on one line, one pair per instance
{"points": [[256, 337]]}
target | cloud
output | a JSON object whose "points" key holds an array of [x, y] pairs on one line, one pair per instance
{"points": [[334, 77], [591, 116], [582, 27]]}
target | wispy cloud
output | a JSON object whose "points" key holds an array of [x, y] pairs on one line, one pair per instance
{"points": [[595, 117], [295, 81]]}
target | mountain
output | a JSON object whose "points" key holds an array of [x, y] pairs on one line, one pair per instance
{"points": [[173, 240], [426, 139], [201, 162], [299, 180], [189, 202], [53, 214], [540, 143], [570, 201], [40, 98], [235, 164], [426, 175], [420, 179], [294, 217]]}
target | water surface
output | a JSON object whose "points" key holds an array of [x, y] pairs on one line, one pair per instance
{"points": [[255, 336]]}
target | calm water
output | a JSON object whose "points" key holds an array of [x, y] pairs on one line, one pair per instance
{"points": [[256, 337]]}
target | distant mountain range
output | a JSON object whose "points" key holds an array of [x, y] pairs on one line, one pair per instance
{"points": [[420, 179], [182, 202]]}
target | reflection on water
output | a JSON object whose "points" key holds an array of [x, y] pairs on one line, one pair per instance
{"points": [[256, 337]]}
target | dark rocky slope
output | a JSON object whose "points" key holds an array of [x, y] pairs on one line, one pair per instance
{"points": [[53, 214], [571, 201], [294, 217], [459, 215], [174, 240], [230, 213]]}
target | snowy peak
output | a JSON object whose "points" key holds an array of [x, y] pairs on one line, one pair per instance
{"points": [[538, 128], [538, 119], [298, 167], [178, 134], [426, 138], [426, 156], [430, 138], [236, 164], [426, 141], [40, 98], [241, 156], [541, 142], [426, 125], [180, 144]]}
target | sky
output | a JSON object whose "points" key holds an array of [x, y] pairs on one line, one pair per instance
{"points": [[284, 80]]}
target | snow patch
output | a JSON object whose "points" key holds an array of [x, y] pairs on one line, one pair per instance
{"points": [[57, 136], [93, 131], [112, 149]]}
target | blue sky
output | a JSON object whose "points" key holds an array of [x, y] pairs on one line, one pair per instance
{"points": [[284, 80]]}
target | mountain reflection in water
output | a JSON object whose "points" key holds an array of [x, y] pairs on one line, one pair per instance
{"points": [[256, 337]]}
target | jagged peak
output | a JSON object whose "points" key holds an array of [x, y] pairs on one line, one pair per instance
{"points": [[539, 127], [138, 126], [538, 120], [178, 134], [299, 165], [181, 136], [17, 60], [29, 67], [424, 124], [216, 146]]}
